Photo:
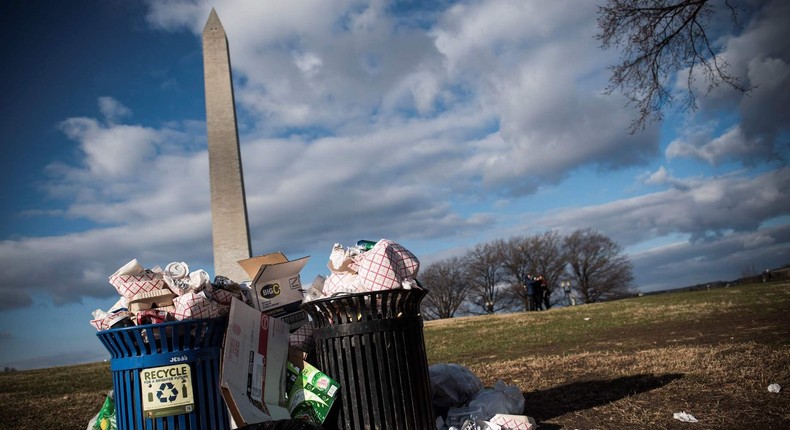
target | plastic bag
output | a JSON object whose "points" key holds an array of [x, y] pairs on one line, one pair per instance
{"points": [[452, 385], [502, 399], [105, 419]]}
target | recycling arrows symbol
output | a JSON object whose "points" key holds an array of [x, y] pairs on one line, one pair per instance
{"points": [[164, 398]]}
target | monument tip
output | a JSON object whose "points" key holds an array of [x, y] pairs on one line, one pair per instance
{"points": [[213, 23]]}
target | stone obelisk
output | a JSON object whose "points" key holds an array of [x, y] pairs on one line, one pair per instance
{"points": [[229, 225]]}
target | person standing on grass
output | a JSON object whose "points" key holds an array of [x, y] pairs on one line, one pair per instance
{"points": [[530, 293], [537, 298], [546, 296]]}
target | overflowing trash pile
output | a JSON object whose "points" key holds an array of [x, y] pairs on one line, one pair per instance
{"points": [[150, 296], [288, 386]]}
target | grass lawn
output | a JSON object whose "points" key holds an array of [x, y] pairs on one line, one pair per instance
{"points": [[628, 364]]}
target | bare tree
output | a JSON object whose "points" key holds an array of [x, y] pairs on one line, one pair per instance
{"points": [[487, 279], [539, 254], [447, 288], [658, 39], [517, 264], [547, 259], [598, 268]]}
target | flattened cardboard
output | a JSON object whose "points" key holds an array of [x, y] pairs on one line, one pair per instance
{"points": [[253, 370]]}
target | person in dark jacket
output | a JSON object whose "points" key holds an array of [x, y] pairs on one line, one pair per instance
{"points": [[530, 294], [546, 294], [539, 290]]}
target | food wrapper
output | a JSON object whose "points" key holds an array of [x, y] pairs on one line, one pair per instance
{"points": [[514, 422], [338, 283], [343, 261], [104, 321], [302, 339], [195, 282], [132, 279], [311, 393], [177, 270], [480, 425], [197, 306], [387, 266], [151, 299], [105, 419], [131, 285], [223, 290], [156, 316], [315, 290]]}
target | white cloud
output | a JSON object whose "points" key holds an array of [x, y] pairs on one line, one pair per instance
{"points": [[361, 125], [731, 145], [760, 58], [111, 151], [112, 109], [702, 208]]}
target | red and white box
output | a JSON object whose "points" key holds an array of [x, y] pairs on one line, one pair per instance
{"points": [[386, 266], [131, 285], [196, 306]]}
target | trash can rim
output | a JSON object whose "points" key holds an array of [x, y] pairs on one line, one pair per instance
{"points": [[162, 324], [337, 296]]}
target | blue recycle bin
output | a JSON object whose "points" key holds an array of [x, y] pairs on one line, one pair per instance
{"points": [[166, 375]]}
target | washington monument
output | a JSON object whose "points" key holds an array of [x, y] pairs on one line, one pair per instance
{"points": [[229, 226]]}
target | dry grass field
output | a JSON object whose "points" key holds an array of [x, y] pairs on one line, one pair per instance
{"points": [[631, 364], [628, 364]]}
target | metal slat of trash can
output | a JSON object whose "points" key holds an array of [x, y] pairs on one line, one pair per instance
{"points": [[195, 343], [373, 345]]}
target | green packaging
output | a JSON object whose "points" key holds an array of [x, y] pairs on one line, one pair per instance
{"points": [[311, 393], [105, 419]]}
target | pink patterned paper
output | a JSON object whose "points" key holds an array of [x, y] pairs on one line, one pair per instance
{"points": [[131, 285], [386, 266], [196, 306], [100, 324], [340, 283], [512, 422], [222, 297], [302, 338]]}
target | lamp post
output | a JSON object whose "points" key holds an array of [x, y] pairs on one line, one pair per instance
{"points": [[566, 286], [490, 307]]}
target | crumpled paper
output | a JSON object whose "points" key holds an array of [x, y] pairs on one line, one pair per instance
{"points": [[181, 281], [480, 425], [685, 417]]}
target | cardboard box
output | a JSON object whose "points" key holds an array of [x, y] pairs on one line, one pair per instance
{"points": [[276, 286], [253, 368]]}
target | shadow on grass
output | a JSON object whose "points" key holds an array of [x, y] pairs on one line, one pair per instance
{"points": [[554, 402]]}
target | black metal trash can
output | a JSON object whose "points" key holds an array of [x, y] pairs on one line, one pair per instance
{"points": [[373, 345], [166, 376]]}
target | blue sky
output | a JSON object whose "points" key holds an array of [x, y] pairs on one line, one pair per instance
{"points": [[439, 128]]}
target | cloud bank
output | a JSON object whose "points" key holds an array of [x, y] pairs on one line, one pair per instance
{"points": [[374, 119]]}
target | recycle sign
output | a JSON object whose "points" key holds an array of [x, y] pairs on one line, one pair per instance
{"points": [[167, 392]]}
